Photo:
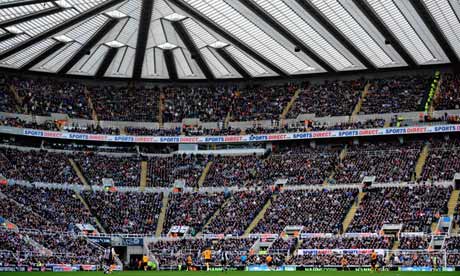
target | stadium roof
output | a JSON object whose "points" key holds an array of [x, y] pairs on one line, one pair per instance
{"points": [[225, 39]]}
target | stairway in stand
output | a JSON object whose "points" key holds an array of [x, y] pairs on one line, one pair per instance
{"points": [[359, 104], [91, 105], [204, 174], [162, 217], [143, 182], [421, 161], [259, 216], [290, 104], [351, 213], [216, 213], [452, 206]]}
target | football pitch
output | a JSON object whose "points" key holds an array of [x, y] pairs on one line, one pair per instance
{"points": [[233, 273]]}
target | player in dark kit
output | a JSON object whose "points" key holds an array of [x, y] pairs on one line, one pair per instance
{"points": [[109, 257]]}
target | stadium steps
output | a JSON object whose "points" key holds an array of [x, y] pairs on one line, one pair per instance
{"points": [[259, 216], [387, 123], [204, 174], [83, 201], [351, 213], [161, 219], [227, 119], [421, 161], [161, 108], [288, 107], [216, 213], [91, 105], [453, 201], [16, 97], [79, 173], [359, 104], [342, 155], [143, 182], [395, 247]]}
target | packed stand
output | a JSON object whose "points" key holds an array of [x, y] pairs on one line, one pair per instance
{"points": [[443, 160], [239, 211], [318, 211], [124, 171], [414, 243], [261, 103], [45, 96], [73, 247], [59, 208], [7, 103], [207, 104], [449, 94], [371, 123], [16, 122], [452, 245], [125, 104], [22, 165], [14, 242], [402, 94], [387, 161], [331, 98], [192, 210], [283, 246], [164, 171], [331, 260], [415, 207], [379, 242], [126, 212], [410, 259]]}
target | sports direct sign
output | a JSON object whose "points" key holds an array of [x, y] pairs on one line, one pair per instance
{"points": [[233, 138]]}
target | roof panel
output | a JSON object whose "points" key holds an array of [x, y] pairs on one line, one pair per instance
{"points": [[310, 36], [242, 28], [21, 58], [411, 32], [446, 14]]}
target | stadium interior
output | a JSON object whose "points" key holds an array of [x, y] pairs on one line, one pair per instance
{"points": [[279, 134]]}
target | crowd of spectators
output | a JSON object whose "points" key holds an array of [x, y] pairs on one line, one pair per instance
{"points": [[37, 166], [129, 212], [415, 207], [192, 210], [283, 246], [331, 98], [387, 161], [125, 104], [16, 122], [443, 160], [378, 242], [318, 211], [238, 212], [395, 95], [124, 171], [330, 260], [449, 93], [46, 96], [60, 210], [415, 242], [261, 103], [207, 104], [164, 171]]}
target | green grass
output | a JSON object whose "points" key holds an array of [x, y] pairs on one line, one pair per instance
{"points": [[232, 273]]}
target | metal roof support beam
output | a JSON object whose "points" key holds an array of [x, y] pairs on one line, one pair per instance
{"points": [[88, 45], [143, 33], [170, 64], [109, 56], [310, 9], [288, 35], [435, 30], [66, 24], [230, 38], [51, 50], [30, 16], [378, 23], [194, 51], [21, 3], [230, 60]]}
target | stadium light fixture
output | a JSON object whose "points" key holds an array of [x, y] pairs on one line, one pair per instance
{"points": [[114, 44], [175, 17], [167, 46], [116, 14]]}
